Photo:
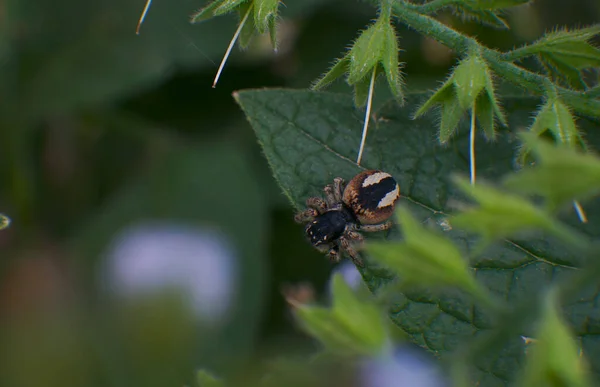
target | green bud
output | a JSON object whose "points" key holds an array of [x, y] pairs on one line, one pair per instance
{"points": [[366, 52], [470, 78], [265, 12]]}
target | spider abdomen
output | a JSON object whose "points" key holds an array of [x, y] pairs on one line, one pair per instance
{"points": [[372, 196]]}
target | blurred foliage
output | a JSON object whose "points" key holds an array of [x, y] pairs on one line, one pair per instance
{"points": [[102, 129]]}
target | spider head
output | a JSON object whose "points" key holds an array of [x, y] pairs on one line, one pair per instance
{"points": [[329, 226]]}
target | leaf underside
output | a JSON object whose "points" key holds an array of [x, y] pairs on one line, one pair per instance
{"points": [[311, 137]]}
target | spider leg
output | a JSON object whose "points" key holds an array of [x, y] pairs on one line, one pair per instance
{"points": [[315, 206], [306, 216], [347, 241], [376, 227], [334, 254], [338, 189], [330, 197], [317, 203]]}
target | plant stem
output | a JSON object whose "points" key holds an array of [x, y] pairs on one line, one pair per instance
{"points": [[144, 12], [580, 212], [433, 6], [427, 26], [231, 44], [472, 144], [367, 116]]}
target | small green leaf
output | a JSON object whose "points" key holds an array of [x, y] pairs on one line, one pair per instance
{"points": [[366, 52], [248, 29], [273, 32], [442, 95], [424, 257], [469, 79], [486, 17], [554, 359], [390, 62], [556, 117], [227, 6], [485, 115], [206, 12], [363, 319], [452, 112], [490, 91], [501, 215], [351, 327], [494, 4], [265, 11], [4, 221], [562, 71], [561, 174], [340, 68], [206, 379], [361, 90]]}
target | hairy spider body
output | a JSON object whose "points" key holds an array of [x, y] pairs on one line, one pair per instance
{"points": [[333, 223]]}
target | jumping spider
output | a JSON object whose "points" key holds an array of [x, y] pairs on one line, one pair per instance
{"points": [[365, 204]]}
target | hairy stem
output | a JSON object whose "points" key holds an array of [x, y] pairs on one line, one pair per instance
{"points": [[409, 14], [367, 117], [433, 6]]}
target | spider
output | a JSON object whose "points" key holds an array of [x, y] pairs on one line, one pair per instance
{"points": [[365, 204]]}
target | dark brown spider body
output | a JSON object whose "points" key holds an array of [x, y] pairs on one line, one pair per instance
{"points": [[333, 223]]}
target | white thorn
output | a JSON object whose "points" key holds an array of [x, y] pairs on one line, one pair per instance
{"points": [[367, 117], [580, 212], [144, 12], [231, 44], [472, 145]]}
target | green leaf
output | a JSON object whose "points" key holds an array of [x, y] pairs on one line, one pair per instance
{"points": [[555, 116], [362, 318], [249, 29], [390, 62], [469, 79], [554, 359], [206, 13], [206, 379], [494, 4], [482, 16], [367, 52], [501, 215], [361, 90], [424, 257], [560, 175], [485, 115], [562, 71], [443, 94], [309, 138], [351, 327], [265, 12], [452, 112], [339, 69], [227, 6]]}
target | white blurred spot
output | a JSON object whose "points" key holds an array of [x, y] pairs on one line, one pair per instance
{"points": [[405, 367], [147, 259], [349, 273], [445, 224]]}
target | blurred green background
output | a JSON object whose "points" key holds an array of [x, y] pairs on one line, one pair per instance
{"points": [[103, 132]]}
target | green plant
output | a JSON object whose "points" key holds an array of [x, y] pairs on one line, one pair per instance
{"points": [[501, 269]]}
